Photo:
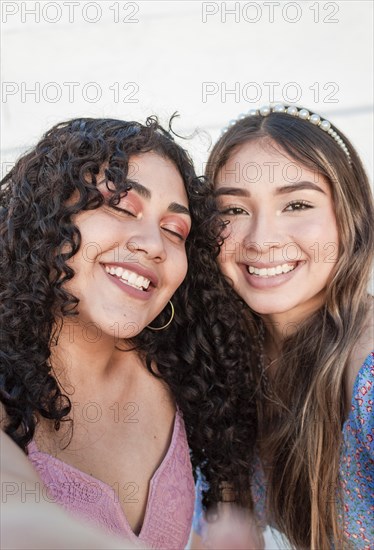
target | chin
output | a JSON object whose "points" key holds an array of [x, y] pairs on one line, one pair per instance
{"points": [[270, 308]]}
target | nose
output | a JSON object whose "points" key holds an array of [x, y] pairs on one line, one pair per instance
{"points": [[263, 236], [148, 239]]}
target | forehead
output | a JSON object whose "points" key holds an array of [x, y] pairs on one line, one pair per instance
{"points": [[149, 165], [265, 162], [157, 173]]}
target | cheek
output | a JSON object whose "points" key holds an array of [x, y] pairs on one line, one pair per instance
{"points": [[329, 253], [178, 268], [236, 230], [320, 239], [229, 267], [233, 249], [184, 270], [331, 241], [228, 258], [234, 234], [306, 230]]}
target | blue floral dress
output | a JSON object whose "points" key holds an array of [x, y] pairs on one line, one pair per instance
{"points": [[356, 468]]}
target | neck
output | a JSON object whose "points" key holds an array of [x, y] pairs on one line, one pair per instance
{"points": [[87, 356]]}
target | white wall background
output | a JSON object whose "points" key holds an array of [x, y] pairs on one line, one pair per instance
{"points": [[132, 59]]}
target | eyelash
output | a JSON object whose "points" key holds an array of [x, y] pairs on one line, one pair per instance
{"points": [[122, 210], [306, 205], [175, 234], [230, 211], [238, 211], [126, 212]]}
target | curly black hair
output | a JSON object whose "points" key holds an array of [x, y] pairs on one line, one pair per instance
{"points": [[197, 355]]}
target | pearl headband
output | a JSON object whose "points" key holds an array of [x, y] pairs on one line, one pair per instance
{"points": [[315, 119]]}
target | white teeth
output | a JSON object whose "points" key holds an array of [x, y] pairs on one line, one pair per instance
{"points": [[129, 277], [271, 271], [125, 275], [132, 278]]}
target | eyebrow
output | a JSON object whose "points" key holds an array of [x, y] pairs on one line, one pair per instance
{"points": [[140, 190], [144, 192], [241, 192], [298, 187], [234, 191], [177, 208]]}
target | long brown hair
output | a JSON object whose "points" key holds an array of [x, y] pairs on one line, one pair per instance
{"points": [[301, 432]]}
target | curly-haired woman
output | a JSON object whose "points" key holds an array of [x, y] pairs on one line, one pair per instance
{"points": [[99, 378]]}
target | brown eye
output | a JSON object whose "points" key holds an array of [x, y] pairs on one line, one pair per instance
{"points": [[296, 206], [234, 211]]}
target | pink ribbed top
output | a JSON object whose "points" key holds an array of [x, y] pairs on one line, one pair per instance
{"points": [[168, 516]]}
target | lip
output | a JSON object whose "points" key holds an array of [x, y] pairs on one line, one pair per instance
{"points": [[135, 268], [263, 283], [130, 290]]}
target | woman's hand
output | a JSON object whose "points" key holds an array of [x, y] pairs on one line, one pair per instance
{"points": [[233, 529]]}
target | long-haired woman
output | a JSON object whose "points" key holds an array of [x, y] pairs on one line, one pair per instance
{"points": [[298, 251]]}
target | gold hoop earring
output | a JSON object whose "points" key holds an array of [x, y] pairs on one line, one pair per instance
{"points": [[168, 323]]}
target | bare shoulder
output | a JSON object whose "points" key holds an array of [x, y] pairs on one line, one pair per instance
{"points": [[362, 348]]}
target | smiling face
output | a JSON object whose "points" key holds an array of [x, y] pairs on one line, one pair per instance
{"points": [[132, 257], [282, 241]]}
